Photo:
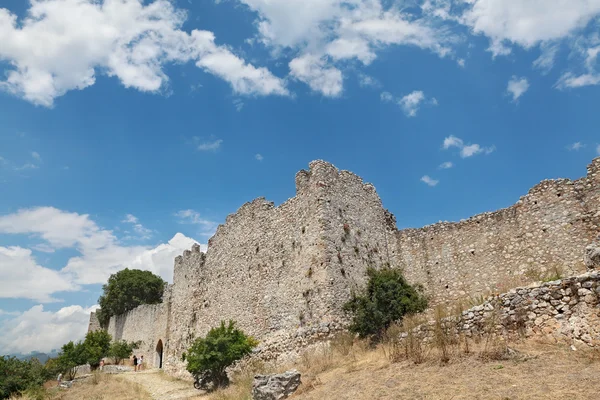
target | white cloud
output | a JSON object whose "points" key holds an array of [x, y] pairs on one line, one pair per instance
{"points": [[141, 231], [429, 181], [545, 61], [452, 141], [409, 103], [160, 259], [194, 218], [386, 97], [446, 165], [587, 51], [527, 23], [11, 313], [314, 71], [39, 330], [517, 87], [62, 44], [259, 157], [575, 146], [466, 151], [210, 146], [36, 156], [22, 277], [326, 31], [100, 251], [365, 80]]}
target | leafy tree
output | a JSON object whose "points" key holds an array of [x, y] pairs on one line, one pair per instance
{"points": [[386, 298], [126, 290], [220, 348], [121, 349], [95, 347], [17, 375], [70, 357]]}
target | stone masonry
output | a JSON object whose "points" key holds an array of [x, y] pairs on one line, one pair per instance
{"points": [[283, 273]]}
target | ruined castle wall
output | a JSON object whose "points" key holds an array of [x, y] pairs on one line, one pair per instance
{"points": [[493, 252], [146, 323], [281, 272], [566, 311], [94, 324]]}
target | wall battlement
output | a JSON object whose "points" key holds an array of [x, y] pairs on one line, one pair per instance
{"points": [[284, 272]]}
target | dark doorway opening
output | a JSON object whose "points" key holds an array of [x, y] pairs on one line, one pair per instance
{"points": [[159, 354]]}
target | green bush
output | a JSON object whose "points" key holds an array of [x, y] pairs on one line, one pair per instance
{"points": [[126, 290], [220, 348], [71, 355], [95, 347], [18, 376], [386, 299], [90, 351], [121, 350]]}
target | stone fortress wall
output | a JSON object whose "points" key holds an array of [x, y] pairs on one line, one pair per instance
{"points": [[283, 273]]}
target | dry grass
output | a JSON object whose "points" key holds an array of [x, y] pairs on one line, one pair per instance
{"points": [[96, 387], [103, 387], [531, 371]]}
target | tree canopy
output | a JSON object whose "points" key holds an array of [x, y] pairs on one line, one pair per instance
{"points": [[17, 376], [121, 349], [386, 299], [126, 290], [220, 348]]}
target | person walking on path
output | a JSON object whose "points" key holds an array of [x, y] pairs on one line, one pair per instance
{"points": [[135, 363], [140, 363]]}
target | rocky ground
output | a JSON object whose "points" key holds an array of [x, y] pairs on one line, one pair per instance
{"points": [[161, 386]]}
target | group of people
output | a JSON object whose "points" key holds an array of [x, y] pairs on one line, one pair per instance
{"points": [[138, 363]]}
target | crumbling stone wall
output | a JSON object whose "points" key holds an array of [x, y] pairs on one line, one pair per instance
{"points": [[279, 270], [546, 229], [94, 324], [147, 324], [566, 310], [283, 273]]}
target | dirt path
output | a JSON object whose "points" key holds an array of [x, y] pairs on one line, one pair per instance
{"points": [[163, 387]]}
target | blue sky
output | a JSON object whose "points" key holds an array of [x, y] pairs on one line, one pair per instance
{"points": [[129, 130]]}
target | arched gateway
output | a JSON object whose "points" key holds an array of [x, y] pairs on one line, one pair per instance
{"points": [[159, 354]]}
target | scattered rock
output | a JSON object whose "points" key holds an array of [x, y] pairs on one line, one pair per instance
{"points": [[591, 258], [275, 387]]}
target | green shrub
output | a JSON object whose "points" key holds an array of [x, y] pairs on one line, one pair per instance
{"points": [[95, 347], [126, 290], [71, 355], [17, 376], [121, 350], [386, 299], [220, 348]]}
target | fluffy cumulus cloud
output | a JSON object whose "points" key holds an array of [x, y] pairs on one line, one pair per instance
{"points": [[22, 277], [409, 103], [535, 25], [466, 150], [40, 330], [101, 253], [517, 87], [62, 44], [528, 23], [314, 71], [326, 32]]}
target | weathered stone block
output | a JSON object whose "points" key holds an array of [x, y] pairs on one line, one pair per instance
{"points": [[275, 387]]}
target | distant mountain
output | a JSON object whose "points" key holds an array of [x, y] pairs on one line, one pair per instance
{"points": [[42, 357]]}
